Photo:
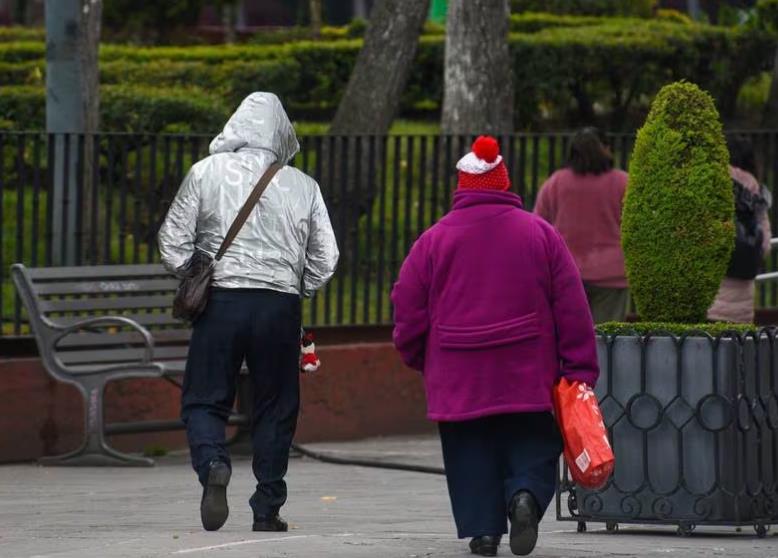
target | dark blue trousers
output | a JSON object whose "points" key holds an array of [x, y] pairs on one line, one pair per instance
{"points": [[490, 459], [261, 327]]}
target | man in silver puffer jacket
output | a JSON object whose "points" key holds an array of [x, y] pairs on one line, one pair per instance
{"points": [[285, 250]]}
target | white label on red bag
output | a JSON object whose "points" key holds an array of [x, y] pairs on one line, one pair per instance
{"points": [[583, 461]]}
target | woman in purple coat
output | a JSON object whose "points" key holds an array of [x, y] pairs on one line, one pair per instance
{"points": [[490, 307]]}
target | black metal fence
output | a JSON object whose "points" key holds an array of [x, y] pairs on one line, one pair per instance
{"points": [[100, 199]]}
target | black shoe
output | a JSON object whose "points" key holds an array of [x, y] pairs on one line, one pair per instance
{"points": [[213, 506], [485, 545], [524, 516], [274, 523]]}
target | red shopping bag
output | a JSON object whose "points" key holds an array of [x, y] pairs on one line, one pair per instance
{"points": [[588, 452]]}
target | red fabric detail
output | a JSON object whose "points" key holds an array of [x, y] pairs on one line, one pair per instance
{"points": [[486, 148], [495, 179]]}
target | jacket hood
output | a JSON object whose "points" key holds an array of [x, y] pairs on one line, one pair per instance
{"points": [[260, 122]]}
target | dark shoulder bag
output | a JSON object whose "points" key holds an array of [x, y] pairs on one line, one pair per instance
{"points": [[747, 255], [192, 294]]}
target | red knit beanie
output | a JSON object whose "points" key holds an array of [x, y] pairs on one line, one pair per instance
{"points": [[483, 167]]}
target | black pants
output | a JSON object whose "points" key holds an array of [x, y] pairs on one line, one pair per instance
{"points": [[261, 327], [488, 460]]}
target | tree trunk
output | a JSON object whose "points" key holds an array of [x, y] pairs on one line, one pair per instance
{"points": [[478, 93], [378, 80], [770, 115], [316, 17]]}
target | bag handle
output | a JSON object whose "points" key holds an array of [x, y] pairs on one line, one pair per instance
{"points": [[247, 208]]}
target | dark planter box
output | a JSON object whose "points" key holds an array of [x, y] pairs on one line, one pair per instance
{"points": [[694, 426]]}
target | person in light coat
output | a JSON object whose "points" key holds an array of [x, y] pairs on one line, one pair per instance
{"points": [[285, 250]]}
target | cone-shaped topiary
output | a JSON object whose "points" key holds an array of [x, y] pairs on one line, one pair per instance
{"points": [[677, 228]]}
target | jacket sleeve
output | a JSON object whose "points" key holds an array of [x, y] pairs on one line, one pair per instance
{"points": [[321, 254], [177, 235], [544, 204], [411, 316], [575, 336]]}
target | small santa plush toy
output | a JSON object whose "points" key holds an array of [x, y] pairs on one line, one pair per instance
{"points": [[309, 362]]}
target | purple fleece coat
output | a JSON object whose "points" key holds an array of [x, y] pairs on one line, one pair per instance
{"points": [[490, 306]]}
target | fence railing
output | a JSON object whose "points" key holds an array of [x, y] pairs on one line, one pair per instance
{"points": [[99, 199]]}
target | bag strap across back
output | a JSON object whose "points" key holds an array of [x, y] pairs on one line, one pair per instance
{"points": [[247, 208]]}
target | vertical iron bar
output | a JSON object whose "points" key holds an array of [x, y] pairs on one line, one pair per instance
{"points": [[20, 197], [36, 194], [369, 253], [79, 201], [137, 196], [435, 203], [109, 188], [448, 171], [409, 147], [332, 186], [343, 214], [355, 199], [50, 148], [394, 232], [66, 194], [94, 210], [382, 229], [152, 216], [2, 228], [315, 298], [523, 168], [123, 201], [535, 166], [420, 221]]}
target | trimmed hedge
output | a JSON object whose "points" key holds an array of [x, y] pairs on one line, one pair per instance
{"points": [[677, 228], [131, 108], [562, 71], [9, 34], [662, 329]]}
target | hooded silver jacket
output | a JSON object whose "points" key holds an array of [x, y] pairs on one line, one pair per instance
{"points": [[287, 242]]}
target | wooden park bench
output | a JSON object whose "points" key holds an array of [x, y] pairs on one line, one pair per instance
{"points": [[97, 324]]}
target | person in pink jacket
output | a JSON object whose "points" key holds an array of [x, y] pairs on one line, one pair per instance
{"points": [[490, 307], [583, 201]]}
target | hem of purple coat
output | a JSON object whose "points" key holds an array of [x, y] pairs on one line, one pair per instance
{"points": [[490, 411]]}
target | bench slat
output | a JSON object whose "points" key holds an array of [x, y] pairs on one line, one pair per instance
{"points": [[94, 272], [125, 337], [150, 320], [106, 303], [108, 356], [127, 285]]}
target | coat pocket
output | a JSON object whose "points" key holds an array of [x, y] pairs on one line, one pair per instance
{"points": [[490, 335]]}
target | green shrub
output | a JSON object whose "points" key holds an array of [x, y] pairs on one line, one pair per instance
{"points": [[636, 8], [767, 11], [562, 69], [16, 34], [674, 16], [677, 228], [22, 51], [131, 108], [532, 22], [664, 328]]}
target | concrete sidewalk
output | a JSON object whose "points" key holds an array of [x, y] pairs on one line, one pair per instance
{"points": [[334, 511]]}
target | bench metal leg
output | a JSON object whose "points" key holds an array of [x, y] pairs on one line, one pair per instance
{"points": [[95, 452]]}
